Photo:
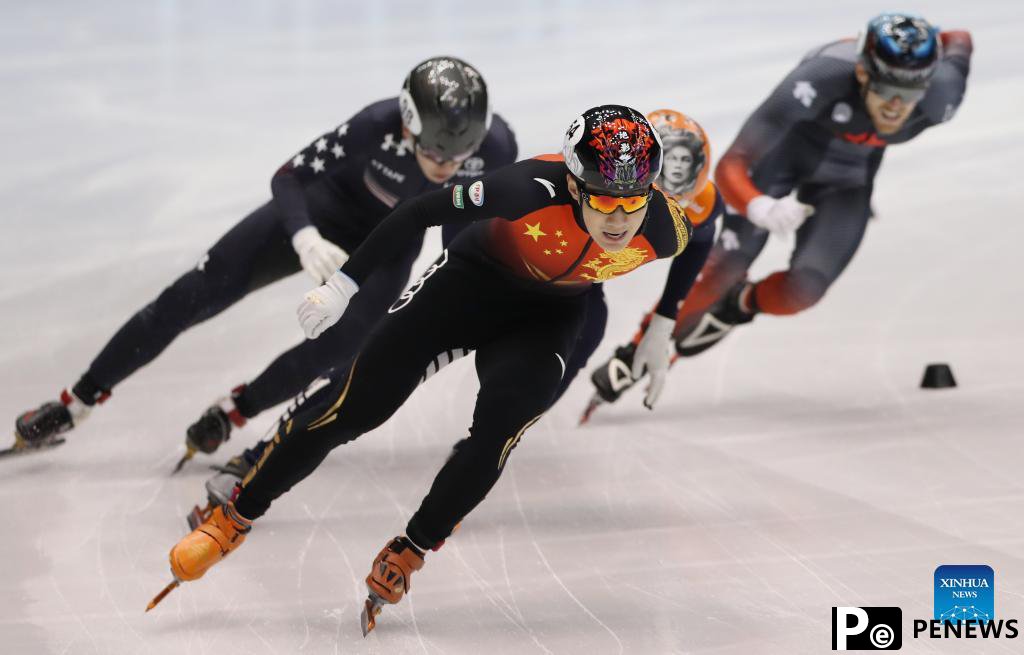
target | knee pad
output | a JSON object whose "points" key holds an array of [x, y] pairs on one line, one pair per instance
{"points": [[807, 287], [789, 292]]}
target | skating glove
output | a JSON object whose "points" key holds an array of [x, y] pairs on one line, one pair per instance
{"points": [[323, 306], [779, 216], [319, 257], [654, 353]]}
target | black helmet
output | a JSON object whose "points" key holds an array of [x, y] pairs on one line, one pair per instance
{"points": [[444, 105], [900, 49], [613, 150]]}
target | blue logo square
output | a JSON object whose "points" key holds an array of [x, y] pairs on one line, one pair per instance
{"points": [[964, 592]]}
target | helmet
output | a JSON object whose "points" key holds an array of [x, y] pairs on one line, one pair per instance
{"points": [[612, 150], [678, 130], [900, 49], [444, 106]]}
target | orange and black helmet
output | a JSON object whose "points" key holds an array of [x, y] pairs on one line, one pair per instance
{"points": [[686, 158]]}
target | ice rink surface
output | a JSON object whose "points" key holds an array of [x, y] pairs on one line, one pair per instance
{"points": [[793, 468]]}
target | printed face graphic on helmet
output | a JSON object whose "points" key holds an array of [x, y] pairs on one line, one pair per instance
{"points": [[687, 153]]}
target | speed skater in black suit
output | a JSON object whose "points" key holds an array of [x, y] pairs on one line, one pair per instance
{"points": [[513, 287], [684, 176], [326, 200]]}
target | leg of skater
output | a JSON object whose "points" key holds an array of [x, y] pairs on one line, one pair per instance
{"points": [[594, 324], [825, 245], [520, 375], [255, 252], [438, 319], [293, 370]]}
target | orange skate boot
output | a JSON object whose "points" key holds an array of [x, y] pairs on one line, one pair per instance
{"points": [[222, 532], [389, 578]]}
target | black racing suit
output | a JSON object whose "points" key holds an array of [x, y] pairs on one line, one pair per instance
{"points": [[343, 183], [813, 135], [514, 287]]}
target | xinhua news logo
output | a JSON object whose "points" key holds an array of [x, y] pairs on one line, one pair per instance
{"points": [[867, 628], [965, 606], [964, 592]]}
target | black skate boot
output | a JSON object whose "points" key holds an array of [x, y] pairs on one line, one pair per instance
{"points": [[223, 487], [717, 322], [40, 428], [611, 379], [213, 428]]}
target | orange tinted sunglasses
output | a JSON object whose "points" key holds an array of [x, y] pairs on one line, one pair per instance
{"points": [[608, 204]]}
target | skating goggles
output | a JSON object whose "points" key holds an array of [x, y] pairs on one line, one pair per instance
{"points": [[889, 92], [441, 159], [608, 204]]}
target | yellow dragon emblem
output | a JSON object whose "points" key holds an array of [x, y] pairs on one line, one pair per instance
{"points": [[609, 264]]}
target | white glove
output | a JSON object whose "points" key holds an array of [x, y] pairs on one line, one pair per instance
{"points": [[778, 215], [654, 353], [323, 306], [319, 257]]}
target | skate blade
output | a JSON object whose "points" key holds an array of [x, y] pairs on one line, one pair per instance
{"points": [[190, 452], [595, 402], [371, 608], [163, 594], [22, 447], [199, 515]]}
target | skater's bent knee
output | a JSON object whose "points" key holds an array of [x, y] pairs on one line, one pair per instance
{"points": [[791, 292], [807, 287]]}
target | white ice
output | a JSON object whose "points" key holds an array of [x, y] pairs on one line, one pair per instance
{"points": [[796, 467]]}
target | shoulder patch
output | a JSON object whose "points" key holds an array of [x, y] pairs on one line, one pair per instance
{"points": [[457, 197], [805, 92], [476, 193]]}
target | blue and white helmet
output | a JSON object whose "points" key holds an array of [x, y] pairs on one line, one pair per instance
{"points": [[900, 49]]}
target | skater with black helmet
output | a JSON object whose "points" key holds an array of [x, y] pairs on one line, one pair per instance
{"points": [[684, 177], [326, 200], [512, 287]]}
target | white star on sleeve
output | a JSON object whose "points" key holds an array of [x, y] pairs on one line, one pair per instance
{"points": [[338, 151], [343, 130], [317, 164], [321, 144], [299, 160]]}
